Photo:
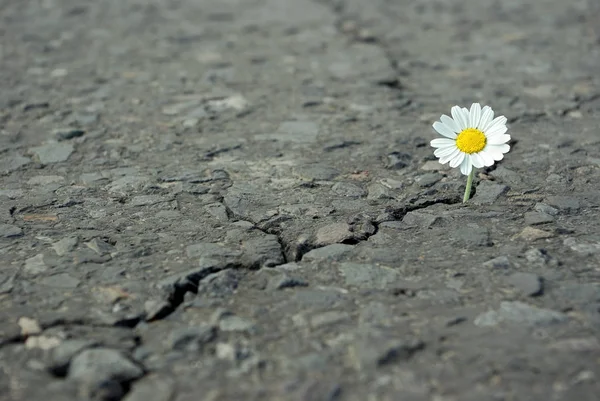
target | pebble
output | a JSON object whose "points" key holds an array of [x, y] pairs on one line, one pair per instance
{"points": [[45, 179], [10, 231], [371, 352], [434, 165], [9, 164], [103, 364], [60, 280], [378, 191], [536, 218], [63, 134], [128, 184], [564, 203], [100, 247], [330, 252], [348, 189], [397, 160], [473, 235], [519, 312], [420, 219], [528, 283], [65, 245], [501, 262], [533, 234], [319, 172], [156, 309], [60, 357], [333, 233], [35, 264], [582, 248], [428, 180], [264, 251], [368, 276], [29, 326], [301, 132], [218, 211], [488, 192], [545, 209], [153, 387], [191, 338], [229, 323], [53, 152]]}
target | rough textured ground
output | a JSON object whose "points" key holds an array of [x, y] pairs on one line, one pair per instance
{"points": [[236, 200]]}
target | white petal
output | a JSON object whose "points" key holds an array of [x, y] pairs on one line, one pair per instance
{"points": [[441, 152], [497, 122], [477, 160], [457, 160], [487, 115], [444, 130], [474, 115], [450, 123], [447, 157], [460, 118], [497, 130], [504, 148], [466, 166], [488, 160], [498, 139], [442, 142]]}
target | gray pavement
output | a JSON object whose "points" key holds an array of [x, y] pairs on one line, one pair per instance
{"points": [[237, 200]]}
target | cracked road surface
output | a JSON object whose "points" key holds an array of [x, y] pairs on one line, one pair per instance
{"points": [[236, 200]]}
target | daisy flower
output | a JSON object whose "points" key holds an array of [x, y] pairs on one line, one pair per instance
{"points": [[473, 139]]}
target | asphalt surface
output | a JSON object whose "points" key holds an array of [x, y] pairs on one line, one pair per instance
{"points": [[237, 200]]}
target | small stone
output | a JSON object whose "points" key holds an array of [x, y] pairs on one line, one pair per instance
{"points": [[282, 281], [489, 192], [420, 219], [434, 165], [218, 211], [45, 179], [330, 252], [378, 191], [192, 338], [209, 250], [428, 180], [473, 235], [319, 172], [156, 309], [348, 189], [264, 251], [127, 184], [501, 262], [519, 312], [506, 175], [35, 264], [539, 257], [536, 218], [63, 134], [29, 326], [10, 231], [7, 283], [60, 357], [9, 164], [368, 276], [564, 203], [53, 152], [236, 323], [371, 352], [545, 209], [533, 234], [528, 283], [60, 280], [328, 318], [153, 387], [100, 247], [103, 364], [294, 131], [582, 248], [397, 160], [65, 245], [333, 233]]}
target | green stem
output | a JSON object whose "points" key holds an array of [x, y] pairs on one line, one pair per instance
{"points": [[469, 184]]}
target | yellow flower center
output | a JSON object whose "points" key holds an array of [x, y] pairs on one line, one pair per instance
{"points": [[471, 140]]}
